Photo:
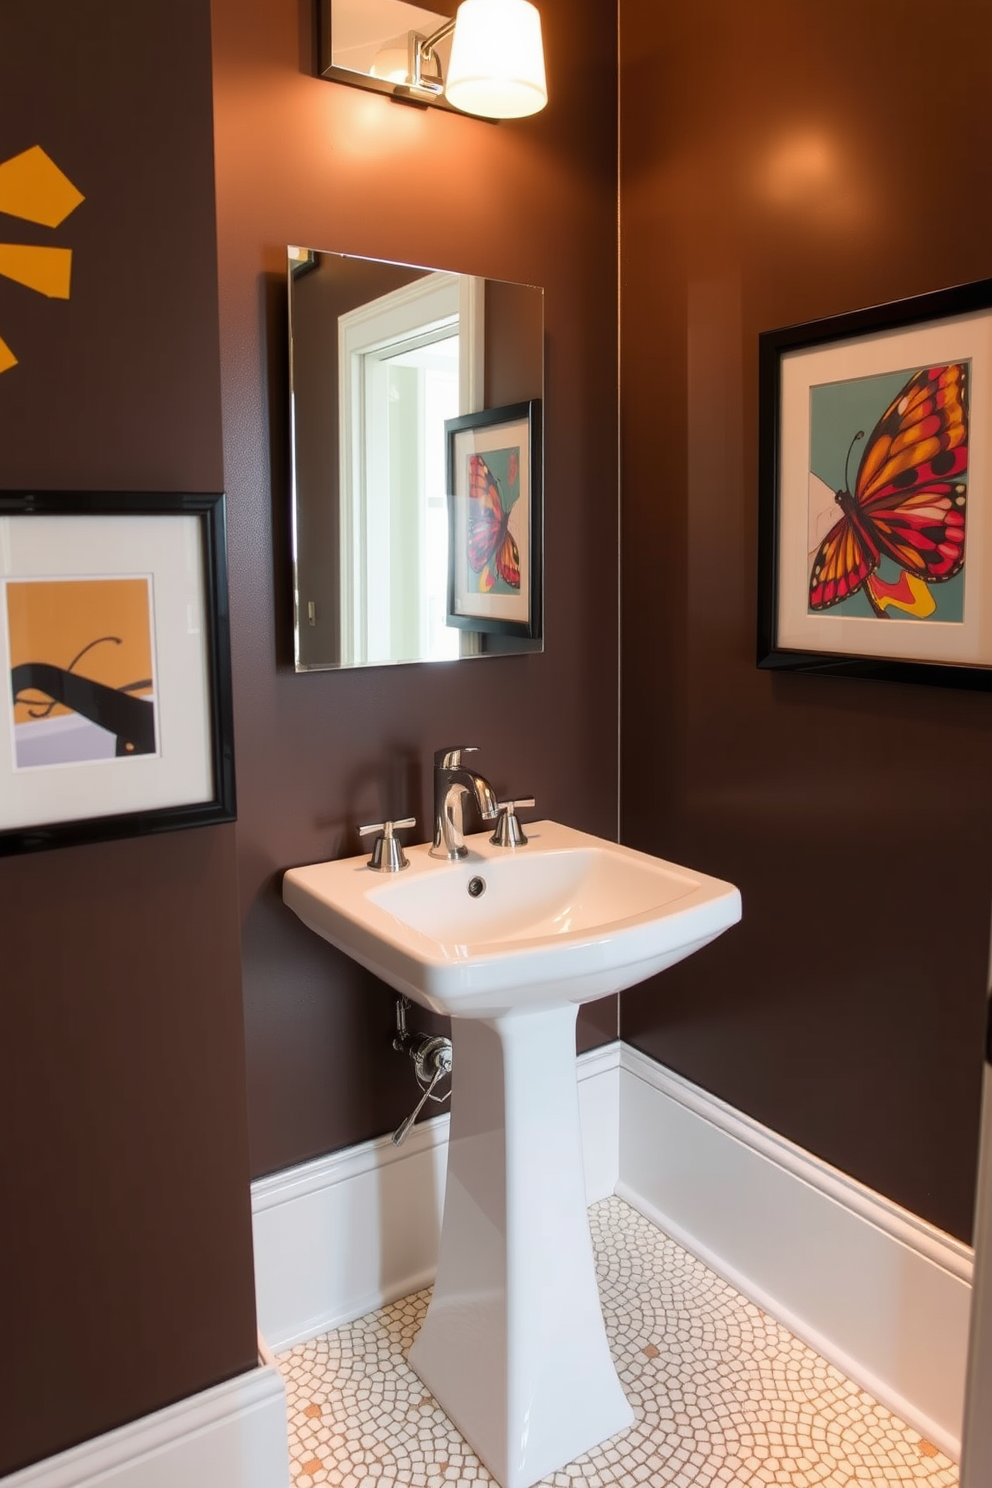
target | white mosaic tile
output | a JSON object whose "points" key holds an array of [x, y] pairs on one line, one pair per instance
{"points": [[723, 1396]]}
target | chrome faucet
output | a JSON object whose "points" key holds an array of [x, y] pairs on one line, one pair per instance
{"points": [[453, 781]]}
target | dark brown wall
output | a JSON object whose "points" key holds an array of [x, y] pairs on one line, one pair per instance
{"points": [[514, 344], [304, 161], [126, 1246], [780, 163]]}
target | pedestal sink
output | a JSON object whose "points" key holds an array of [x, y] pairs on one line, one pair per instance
{"points": [[509, 942]]}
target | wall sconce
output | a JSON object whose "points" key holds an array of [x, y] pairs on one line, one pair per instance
{"points": [[487, 60]]}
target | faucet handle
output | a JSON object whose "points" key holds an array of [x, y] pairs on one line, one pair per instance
{"points": [[387, 854], [509, 832], [451, 757]]}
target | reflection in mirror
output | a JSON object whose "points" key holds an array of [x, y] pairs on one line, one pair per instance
{"points": [[367, 43], [386, 358]]}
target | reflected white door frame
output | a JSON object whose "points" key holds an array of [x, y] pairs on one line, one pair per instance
{"points": [[430, 308]]}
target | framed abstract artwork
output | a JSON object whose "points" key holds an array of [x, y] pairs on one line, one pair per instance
{"points": [[495, 520], [114, 641], [875, 479]]}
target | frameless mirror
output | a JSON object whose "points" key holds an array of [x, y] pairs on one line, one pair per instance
{"points": [[417, 473]]}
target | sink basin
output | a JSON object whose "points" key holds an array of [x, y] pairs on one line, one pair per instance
{"points": [[509, 942], [569, 917]]}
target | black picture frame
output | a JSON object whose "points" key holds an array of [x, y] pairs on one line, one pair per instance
{"points": [[118, 759], [516, 427], [948, 330]]}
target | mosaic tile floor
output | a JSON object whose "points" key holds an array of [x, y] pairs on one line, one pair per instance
{"points": [[723, 1396]]}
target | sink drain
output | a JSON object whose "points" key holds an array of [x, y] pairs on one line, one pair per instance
{"points": [[476, 886]]}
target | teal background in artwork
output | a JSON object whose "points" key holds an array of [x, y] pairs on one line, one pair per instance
{"points": [[837, 410], [499, 462]]}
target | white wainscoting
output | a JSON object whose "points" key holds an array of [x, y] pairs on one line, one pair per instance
{"points": [[232, 1436], [875, 1290]]}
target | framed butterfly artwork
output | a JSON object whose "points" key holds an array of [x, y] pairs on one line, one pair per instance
{"points": [[875, 492], [495, 520]]}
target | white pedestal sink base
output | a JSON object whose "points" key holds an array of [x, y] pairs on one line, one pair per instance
{"points": [[513, 1346]]}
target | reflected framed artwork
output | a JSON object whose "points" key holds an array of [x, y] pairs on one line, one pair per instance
{"points": [[114, 639], [875, 475], [494, 520]]}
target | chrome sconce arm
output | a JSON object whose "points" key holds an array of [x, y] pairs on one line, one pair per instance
{"points": [[424, 65]]}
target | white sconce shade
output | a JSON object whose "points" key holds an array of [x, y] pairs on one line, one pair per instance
{"points": [[497, 60]]}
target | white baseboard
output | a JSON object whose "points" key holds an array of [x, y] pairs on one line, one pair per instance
{"points": [[875, 1290], [340, 1236], [599, 1113], [231, 1436]]}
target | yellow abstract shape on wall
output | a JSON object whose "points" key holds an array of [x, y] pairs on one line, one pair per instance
{"points": [[33, 187], [47, 270]]}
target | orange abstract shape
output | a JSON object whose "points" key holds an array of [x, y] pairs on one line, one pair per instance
{"points": [[46, 270], [908, 593], [54, 620], [32, 187]]}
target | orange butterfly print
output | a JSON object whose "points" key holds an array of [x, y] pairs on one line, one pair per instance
{"points": [[908, 502], [492, 548]]}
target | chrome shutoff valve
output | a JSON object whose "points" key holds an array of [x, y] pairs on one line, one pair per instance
{"points": [[431, 1055]]}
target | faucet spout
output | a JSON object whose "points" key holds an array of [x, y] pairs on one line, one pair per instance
{"points": [[453, 781]]}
